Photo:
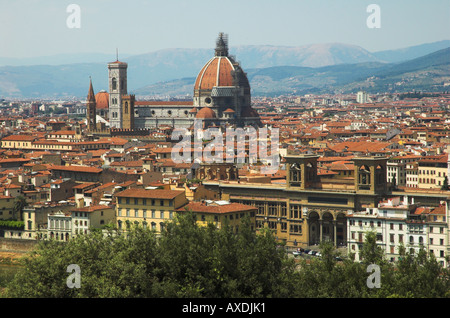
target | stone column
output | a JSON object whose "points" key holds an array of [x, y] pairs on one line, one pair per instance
{"points": [[320, 230], [335, 230]]}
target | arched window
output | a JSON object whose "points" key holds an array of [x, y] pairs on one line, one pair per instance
{"points": [[114, 83], [126, 107], [364, 175], [295, 172]]}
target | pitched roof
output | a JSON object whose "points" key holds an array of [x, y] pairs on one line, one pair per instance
{"points": [[77, 169], [216, 208], [19, 138], [149, 194], [91, 208]]}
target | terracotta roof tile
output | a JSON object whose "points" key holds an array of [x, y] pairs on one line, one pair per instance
{"points": [[200, 207], [149, 194]]}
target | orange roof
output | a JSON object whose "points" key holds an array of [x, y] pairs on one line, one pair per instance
{"points": [[14, 160], [360, 146], [92, 208], [149, 194], [206, 112], [216, 72], [439, 210], [84, 185], [102, 100], [19, 138], [77, 168], [118, 62], [12, 186], [421, 210], [133, 163], [201, 207]]}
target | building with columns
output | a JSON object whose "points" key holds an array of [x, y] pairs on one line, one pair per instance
{"points": [[310, 207]]}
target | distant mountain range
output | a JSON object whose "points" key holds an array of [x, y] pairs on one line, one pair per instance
{"points": [[271, 70], [427, 73]]}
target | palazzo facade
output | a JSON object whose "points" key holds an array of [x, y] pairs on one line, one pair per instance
{"points": [[309, 208]]}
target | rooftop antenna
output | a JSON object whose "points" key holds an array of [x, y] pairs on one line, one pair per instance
{"points": [[117, 54]]}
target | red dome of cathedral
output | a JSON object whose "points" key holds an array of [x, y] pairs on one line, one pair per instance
{"points": [[102, 100], [217, 72], [206, 113]]}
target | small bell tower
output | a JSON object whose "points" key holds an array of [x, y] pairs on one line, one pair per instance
{"points": [[91, 109]]}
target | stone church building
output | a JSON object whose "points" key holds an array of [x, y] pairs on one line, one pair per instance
{"points": [[221, 98]]}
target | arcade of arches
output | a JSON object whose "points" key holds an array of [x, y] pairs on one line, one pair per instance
{"points": [[324, 226]]}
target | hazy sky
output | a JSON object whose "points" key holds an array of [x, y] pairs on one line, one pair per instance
{"points": [[38, 27]]}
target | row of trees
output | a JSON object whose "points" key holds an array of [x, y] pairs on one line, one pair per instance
{"points": [[188, 260]]}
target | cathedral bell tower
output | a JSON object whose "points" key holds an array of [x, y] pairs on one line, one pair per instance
{"points": [[117, 76]]}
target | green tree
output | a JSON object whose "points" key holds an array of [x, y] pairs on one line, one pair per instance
{"points": [[19, 203], [445, 184], [394, 182], [371, 252], [325, 277], [420, 275], [111, 266], [187, 260]]}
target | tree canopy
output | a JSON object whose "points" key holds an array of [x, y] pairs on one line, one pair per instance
{"points": [[188, 260]]}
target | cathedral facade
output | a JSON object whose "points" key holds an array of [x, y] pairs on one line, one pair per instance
{"points": [[221, 98]]}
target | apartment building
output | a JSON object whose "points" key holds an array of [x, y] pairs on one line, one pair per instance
{"points": [[412, 175], [397, 169], [6, 207], [220, 213], [24, 142], [432, 171], [35, 218], [150, 207], [62, 225], [398, 223], [438, 234]]}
